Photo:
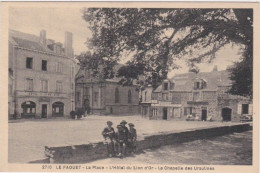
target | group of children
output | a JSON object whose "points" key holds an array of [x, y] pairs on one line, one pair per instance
{"points": [[121, 142]]}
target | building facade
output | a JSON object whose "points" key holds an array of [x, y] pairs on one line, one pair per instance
{"points": [[105, 96], [146, 97], [203, 95], [42, 75]]}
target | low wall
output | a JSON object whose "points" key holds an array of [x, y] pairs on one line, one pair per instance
{"points": [[90, 152]]}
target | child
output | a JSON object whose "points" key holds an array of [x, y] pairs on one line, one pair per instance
{"points": [[109, 136], [121, 139], [132, 136]]}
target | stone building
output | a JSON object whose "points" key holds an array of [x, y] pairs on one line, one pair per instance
{"points": [[10, 93], [203, 95], [42, 80], [104, 96], [146, 97]]}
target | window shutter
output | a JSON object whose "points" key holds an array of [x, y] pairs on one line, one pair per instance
{"points": [[239, 109], [205, 84], [250, 111], [190, 96], [171, 86], [56, 67]]}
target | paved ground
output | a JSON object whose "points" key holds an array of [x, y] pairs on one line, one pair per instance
{"points": [[27, 138], [234, 149]]}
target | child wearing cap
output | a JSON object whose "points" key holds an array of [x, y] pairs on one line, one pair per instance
{"points": [[121, 139], [132, 138], [109, 138]]}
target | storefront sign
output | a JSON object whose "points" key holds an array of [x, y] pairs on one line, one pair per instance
{"points": [[41, 94], [166, 104], [44, 99]]}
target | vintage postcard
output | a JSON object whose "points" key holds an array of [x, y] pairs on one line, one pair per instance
{"points": [[129, 86]]}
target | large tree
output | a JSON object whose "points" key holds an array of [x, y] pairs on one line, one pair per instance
{"points": [[153, 39]]}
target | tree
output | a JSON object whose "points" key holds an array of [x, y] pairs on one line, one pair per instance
{"points": [[155, 38], [99, 67]]}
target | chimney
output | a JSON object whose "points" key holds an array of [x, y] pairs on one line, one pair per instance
{"points": [[68, 44], [215, 68], [43, 37]]}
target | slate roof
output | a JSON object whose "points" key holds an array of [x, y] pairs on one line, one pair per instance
{"points": [[28, 44], [184, 82], [29, 41]]}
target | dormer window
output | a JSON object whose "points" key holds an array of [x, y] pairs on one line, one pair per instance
{"points": [[200, 84], [165, 86], [197, 85]]}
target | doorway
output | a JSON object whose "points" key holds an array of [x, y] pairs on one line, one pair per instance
{"points": [[44, 111], [87, 106], [226, 114], [204, 114], [164, 113]]}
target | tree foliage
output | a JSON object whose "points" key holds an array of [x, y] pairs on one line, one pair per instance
{"points": [[99, 67], [155, 38]]}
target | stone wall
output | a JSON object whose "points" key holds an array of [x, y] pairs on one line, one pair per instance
{"points": [[90, 152], [66, 95]]}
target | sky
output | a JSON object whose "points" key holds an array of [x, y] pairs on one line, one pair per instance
{"points": [[56, 21]]}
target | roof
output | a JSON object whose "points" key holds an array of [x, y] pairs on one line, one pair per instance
{"points": [[30, 41], [184, 81], [28, 44]]}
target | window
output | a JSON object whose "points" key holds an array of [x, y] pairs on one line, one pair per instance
{"points": [[78, 96], [165, 86], [204, 84], [187, 110], [44, 84], [197, 85], [95, 96], [29, 63], [59, 67], [244, 108], [196, 96], [165, 96], [200, 84], [176, 112], [155, 112], [129, 96], [29, 84], [59, 86], [116, 95], [28, 107], [44, 65]]}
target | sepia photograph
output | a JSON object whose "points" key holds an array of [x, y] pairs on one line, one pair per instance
{"points": [[114, 88]]}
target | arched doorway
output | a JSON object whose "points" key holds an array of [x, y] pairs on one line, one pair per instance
{"points": [[29, 109], [226, 114], [58, 109]]}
